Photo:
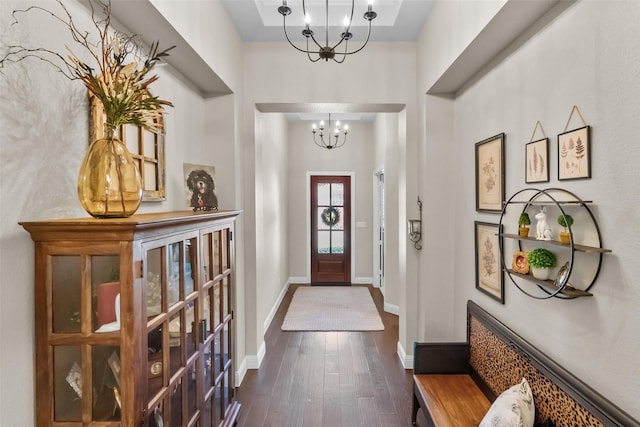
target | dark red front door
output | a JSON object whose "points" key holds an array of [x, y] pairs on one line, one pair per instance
{"points": [[330, 229]]}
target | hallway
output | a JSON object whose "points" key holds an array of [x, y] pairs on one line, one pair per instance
{"points": [[328, 379]]}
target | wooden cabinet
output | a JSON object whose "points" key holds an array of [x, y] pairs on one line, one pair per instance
{"points": [[579, 260], [134, 320]]}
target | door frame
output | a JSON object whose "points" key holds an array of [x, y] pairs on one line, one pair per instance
{"points": [[377, 273], [352, 175]]}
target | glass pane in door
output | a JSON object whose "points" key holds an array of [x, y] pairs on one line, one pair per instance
{"points": [[190, 265], [155, 363], [324, 242], [105, 292], [217, 356], [224, 249], [68, 383], [337, 242], [175, 343], [176, 404], [190, 326], [337, 194], [192, 395], [106, 383], [173, 276], [324, 194], [216, 305], [207, 261], [66, 282], [225, 298], [154, 282], [156, 416]]}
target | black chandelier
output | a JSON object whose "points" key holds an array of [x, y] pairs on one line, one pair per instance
{"points": [[332, 141], [327, 52]]}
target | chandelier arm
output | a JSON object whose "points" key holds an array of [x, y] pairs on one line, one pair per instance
{"points": [[343, 141], [345, 31], [309, 53], [365, 43], [321, 144], [315, 41], [284, 25], [304, 13], [344, 55]]}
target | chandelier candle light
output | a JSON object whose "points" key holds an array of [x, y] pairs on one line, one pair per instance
{"points": [[327, 52], [328, 143]]}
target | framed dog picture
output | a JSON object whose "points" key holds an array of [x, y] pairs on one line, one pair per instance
{"points": [[199, 187]]}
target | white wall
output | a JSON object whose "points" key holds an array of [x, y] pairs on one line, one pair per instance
{"points": [[44, 128], [586, 56], [272, 213]]}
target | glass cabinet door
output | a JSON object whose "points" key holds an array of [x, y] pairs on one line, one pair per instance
{"points": [[218, 315], [85, 300], [172, 313]]}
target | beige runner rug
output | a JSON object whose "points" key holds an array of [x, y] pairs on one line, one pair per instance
{"points": [[332, 308]]}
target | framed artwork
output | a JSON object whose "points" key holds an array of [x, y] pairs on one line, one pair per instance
{"points": [[199, 187], [490, 174], [537, 161], [489, 276], [574, 154], [146, 148]]}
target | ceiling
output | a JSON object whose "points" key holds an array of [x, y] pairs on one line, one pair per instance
{"points": [[259, 21], [397, 20]]}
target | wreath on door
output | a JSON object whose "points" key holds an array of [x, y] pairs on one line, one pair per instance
{"points": [[330, 216]]}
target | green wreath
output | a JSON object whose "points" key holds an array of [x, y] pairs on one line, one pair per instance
{"points": [[330, 216]]}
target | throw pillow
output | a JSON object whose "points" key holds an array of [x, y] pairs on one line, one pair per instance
{"points": [[513, 408]]}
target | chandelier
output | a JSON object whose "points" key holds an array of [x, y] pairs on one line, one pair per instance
{"points": [[331, 142], [316, 51]]}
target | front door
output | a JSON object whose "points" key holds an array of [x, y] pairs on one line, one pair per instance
{"points": [[330, 229]]}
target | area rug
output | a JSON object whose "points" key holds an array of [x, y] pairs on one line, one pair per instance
{"points": [[332, 308]]}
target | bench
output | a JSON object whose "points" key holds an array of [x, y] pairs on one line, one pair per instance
{"points": [[455, 383]]}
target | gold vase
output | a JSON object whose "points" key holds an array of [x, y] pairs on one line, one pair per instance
{"points": [[109, 184]]}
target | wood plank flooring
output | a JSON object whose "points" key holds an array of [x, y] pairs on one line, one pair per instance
{"points": [[328, 379]]}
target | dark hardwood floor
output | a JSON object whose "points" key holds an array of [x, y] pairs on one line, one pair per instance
{"points": [[329, 379]]}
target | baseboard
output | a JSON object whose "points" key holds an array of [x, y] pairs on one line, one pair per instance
{"points": [[299, 280], [254, 361], [241, 372], [362, 280], [391, 308], [250, 362], [407, 361], [274, 309]]}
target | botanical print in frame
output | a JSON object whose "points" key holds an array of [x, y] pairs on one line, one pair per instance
{"points": [[537, 161], [574, 154], [489, 277], [490, 174]]}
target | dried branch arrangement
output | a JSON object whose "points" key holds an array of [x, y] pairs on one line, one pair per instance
{"points": [[116, 73]]}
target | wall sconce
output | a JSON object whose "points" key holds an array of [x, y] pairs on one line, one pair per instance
{"points": [[415, 229]]}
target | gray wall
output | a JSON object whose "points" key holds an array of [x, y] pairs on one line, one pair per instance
{"points": [[584, 54]]}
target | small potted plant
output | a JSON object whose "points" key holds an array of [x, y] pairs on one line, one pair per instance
{"points": [[523, 223], [565, 221], [541, 261]]}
